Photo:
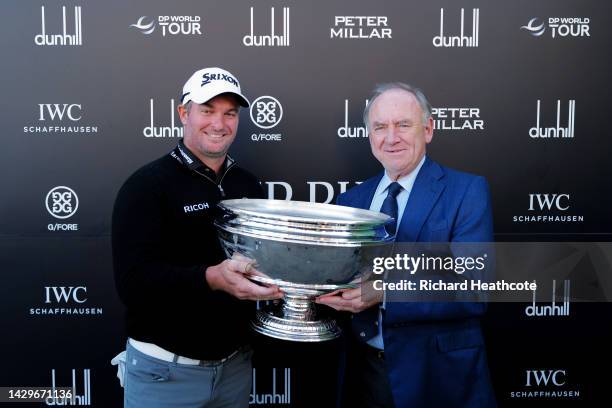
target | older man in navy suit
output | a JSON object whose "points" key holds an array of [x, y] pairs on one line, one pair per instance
{"points": [[410, 354]]}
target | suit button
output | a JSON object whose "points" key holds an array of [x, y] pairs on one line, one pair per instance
{"points": [[352, 316], [362, 334], [376, 323]]}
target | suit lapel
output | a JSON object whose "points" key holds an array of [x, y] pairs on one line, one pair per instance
{"points": [[427, 188], [365, 200]]}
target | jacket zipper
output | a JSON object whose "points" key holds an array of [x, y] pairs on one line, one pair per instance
{"points": [[220, 181]]}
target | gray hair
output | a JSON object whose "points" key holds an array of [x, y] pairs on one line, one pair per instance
{"points": [[381, 88]]}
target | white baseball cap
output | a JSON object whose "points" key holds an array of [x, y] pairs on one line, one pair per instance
{"points": [[207, 83]]}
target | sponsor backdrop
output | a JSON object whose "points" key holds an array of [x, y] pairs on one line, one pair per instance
{"points": [[520, 92]]}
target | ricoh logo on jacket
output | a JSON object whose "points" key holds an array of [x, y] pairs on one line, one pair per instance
{"points": [[556, 132], [195, 207], [272, 40], [162, 131], [352, 131], [535, 310], [460, 40], [65, 38]]}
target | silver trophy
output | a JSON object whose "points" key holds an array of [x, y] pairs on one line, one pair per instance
{"points": [[306, 249]]}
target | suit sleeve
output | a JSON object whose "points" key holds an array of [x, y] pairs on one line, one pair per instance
{"points": [[473, 224]]}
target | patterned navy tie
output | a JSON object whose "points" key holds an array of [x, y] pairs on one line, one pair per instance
{"points": [[389, 206]]}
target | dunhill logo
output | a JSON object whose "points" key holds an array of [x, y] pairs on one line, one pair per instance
{"points": [[61, 39], [351, 131], [272, 40], [163, 131], [84, 399], [273, 397], [553, 309], [557, 131], [460, 40]]}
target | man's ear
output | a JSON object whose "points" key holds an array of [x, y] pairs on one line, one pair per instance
{"points": [[429, 130], [183, 113]]}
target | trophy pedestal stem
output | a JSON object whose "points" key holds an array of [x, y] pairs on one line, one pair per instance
{"points": [[298, 307], [295, 320]]}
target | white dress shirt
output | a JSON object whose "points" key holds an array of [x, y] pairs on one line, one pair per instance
{"points": [[407, 182]]}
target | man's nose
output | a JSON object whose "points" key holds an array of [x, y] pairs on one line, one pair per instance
{"points": [[218, 121], [392, 135]]}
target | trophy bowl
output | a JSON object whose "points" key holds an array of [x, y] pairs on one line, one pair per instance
{"points": [[306, 249]]}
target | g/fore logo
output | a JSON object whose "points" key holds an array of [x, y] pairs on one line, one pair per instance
{"points": [[170, 25], [62, 202], [59, 112], [266, 113], [461, 40], [352, 131], [272, 40], [162, 131], [557, 131], [360, 27], [75, 39], [559, 27]]}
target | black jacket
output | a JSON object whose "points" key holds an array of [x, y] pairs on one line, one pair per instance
{"points": [[163, 240]]}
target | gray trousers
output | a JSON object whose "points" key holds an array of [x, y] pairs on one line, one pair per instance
{"points": [[151, 383]]}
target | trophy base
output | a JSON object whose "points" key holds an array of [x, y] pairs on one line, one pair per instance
{"points": [[268, 324]]}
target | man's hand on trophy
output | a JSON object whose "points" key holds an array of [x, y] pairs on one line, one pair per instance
{"points": [[229, 276], [352, 300]]}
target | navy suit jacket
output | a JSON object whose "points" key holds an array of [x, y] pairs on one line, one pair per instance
{"points": [[434, 351]]}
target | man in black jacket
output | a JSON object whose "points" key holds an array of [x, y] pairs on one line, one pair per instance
{"points": [[187, 306]]}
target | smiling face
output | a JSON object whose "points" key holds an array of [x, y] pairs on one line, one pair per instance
{"points": [[397, 133], [210, 128]]}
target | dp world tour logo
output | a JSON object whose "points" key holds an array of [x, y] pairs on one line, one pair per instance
{"points": [[534, 28], [266, 112], [145, 27], [559, 26], [62, 202], [170, 25]]}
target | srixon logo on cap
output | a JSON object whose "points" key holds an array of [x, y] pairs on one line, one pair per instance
{"points": [[208, 77]]}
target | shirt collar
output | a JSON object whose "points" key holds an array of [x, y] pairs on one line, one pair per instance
{"points": [[406, 182], [192, 162]]}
